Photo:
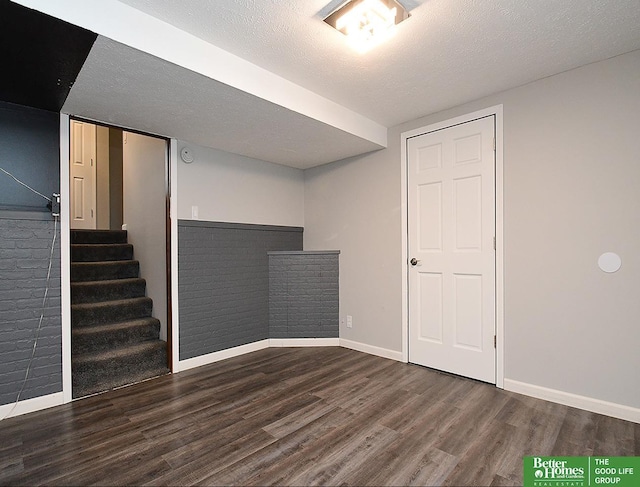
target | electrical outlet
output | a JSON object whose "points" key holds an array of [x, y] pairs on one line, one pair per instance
{"points": [[349, 321], [343, 322], [194, 212], [55, 204]]}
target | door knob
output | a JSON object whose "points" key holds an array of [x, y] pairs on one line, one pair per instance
{"points": [[414, 262]]}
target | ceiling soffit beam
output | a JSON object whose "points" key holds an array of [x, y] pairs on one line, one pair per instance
{"points": [[136, 29]]}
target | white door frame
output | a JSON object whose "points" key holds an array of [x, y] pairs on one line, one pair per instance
{"points": [[497, 112], [65, 254], [173, 215]]}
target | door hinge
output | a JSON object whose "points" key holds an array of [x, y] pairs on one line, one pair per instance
{"points": [[91, 212], [92, 162], [494, 144], [495, 341], [494, 243]]}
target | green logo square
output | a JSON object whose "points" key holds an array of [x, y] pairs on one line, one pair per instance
{"points": [[556, 471]]}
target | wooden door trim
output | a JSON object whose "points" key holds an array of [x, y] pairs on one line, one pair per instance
{"points": [[499, 183], [168, 250]]}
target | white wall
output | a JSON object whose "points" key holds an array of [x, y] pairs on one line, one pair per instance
{"points": [[236, 189], [572, 173], [144, 198], [354, 206]]}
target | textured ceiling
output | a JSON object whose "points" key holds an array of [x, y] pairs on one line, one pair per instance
{"points": [[447, 53], [270, 80], [132, 89]]}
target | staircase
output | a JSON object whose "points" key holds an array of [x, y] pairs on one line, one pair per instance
{"points": [[114, 339]]}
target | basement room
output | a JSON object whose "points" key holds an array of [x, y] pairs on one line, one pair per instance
{"points": [[239, 243]]}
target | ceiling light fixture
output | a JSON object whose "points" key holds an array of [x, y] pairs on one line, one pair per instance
{"points": [[367, 23]]}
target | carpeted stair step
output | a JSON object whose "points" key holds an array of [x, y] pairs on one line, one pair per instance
{"points": [[94, 271], [101, 252], [98, 236], [93, 373], [114, 340], [94, 339], [107, 312], [112, 290]]}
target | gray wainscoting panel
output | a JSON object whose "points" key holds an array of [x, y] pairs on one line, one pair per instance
{"points": [[25, 247], [223, 282], [303, 294]]}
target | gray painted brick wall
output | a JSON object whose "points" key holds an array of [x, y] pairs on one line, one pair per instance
{"points": [[223, 283], [24, 258], [303, 295]]}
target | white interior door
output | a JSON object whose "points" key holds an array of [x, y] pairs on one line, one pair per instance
{"points": [[451, 224], [82, 170]]}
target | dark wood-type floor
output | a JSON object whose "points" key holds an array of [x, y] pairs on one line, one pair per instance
{"points": [[307, 416]]}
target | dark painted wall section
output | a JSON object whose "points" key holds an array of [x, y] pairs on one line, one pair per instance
{"points": [[25, 247], [29, 149], [115, 179], [303, 294], [223, 283]]}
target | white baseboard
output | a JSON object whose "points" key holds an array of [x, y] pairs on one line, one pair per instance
{"points": [[615, 410], [619, 411], [221, 355], [372, 350], [304, 342], [31, 405], [286, 342]]}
